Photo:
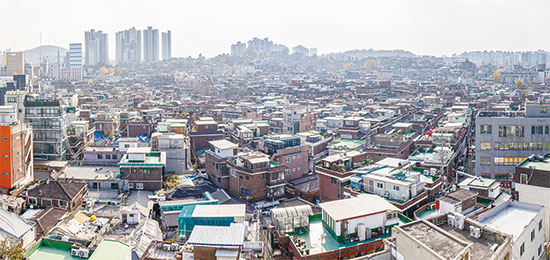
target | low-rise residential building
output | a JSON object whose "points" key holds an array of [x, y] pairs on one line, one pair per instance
{"points": [[142, 169], [63, 194], [254, 177], [287, 150], [532, 185], [13, 226], [176, 148], [524, 222], [447, 237], [334, 172], [216, 162]]}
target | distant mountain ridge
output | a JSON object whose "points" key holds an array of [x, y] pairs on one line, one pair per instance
{"points": [[50, 51]]}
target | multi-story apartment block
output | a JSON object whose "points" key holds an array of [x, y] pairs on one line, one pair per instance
{"points": [[16, 162], [216, 162], [254, 177], [176, 147], [203, 131], [96, 48], [142, 169], [48, 119], [128, 46], [287, 150], [504, 139]]}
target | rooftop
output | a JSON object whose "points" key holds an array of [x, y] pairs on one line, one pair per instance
{"points": [[218, 235], [443, 243], [216, 211], [355, 207], [510, 217], [90, 172], [224, 144], [111, 249], [319, 239]]}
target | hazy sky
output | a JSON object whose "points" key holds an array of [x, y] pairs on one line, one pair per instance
{"points": [[436, 27]]}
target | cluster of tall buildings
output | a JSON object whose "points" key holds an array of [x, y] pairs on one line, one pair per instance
{"points": [[507, 58], [267, 46], [132, 47], [96, 48]]}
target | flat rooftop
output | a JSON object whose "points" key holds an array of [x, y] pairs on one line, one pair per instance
{"points": [[218, 211], [52, 253], [90, 172], [510, 218], [538, 165], [481, 247], [317, 233], [439, 241]]}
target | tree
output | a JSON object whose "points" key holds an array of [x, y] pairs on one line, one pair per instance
{"points": [[519, 84], [369, 64], [497, 77], [10, 250], [347, 66]]}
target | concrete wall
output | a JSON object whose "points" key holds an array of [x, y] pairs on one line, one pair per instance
{"points": [[536, 195]]}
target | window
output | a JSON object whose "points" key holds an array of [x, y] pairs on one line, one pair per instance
{"points": [[287, 171], [510, 131], [114, 186], [540, 224], [32, 201], [485, 129], [115, 157], [4, 139], [395, 187], [522, 249], [536, 129], [485, 145], [543, 110], [5, 173], [380, 185], [108, 156], [532, 235], [139, 186], [62, 204], [546, 130], [287, 159], [245, 192], [46, 203], [130, 185], [523, 178], [333, 180], [485, 160], [99, 156], [247, 177]]}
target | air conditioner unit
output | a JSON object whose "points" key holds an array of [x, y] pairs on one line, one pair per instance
{"points": [[174, 246], [451, 220], [426, 172], [459, 221], [433, 171], [75, 251], [166, 247], [475, 232], [84, 253]]}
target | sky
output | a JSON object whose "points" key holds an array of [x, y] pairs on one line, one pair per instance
{"points": [[209, 27]]}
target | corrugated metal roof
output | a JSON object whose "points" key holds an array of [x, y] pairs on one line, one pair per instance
{"points": [[12, 225], [218, 236]]}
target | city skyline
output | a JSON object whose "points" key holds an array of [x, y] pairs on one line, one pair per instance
{"points": [[427, 28]]}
